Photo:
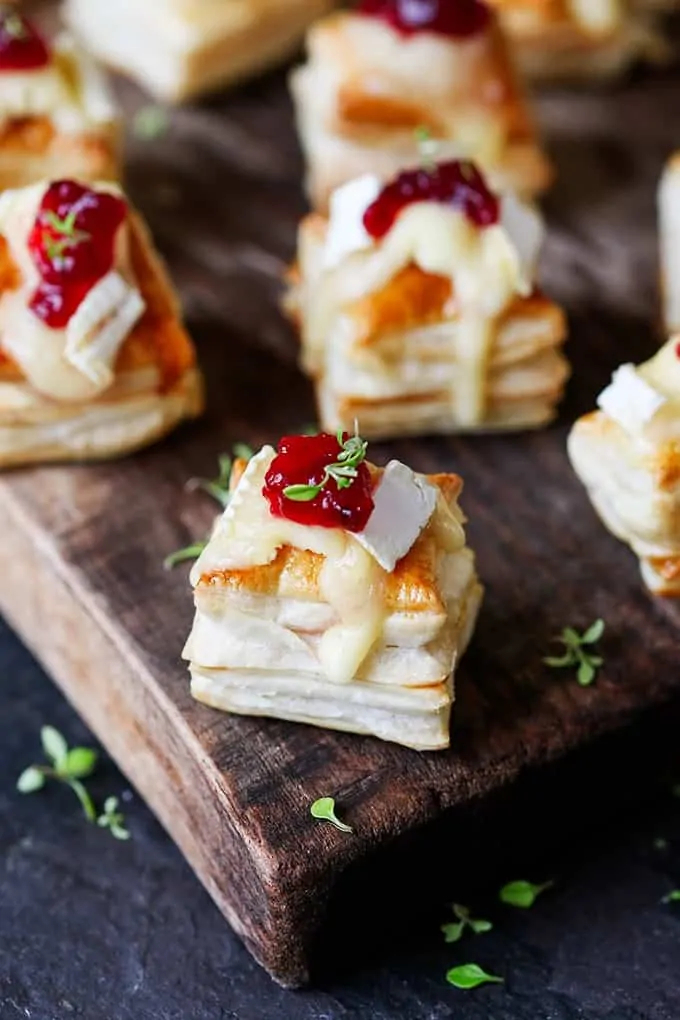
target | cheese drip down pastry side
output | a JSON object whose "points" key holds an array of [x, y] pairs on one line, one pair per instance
{"points": [[379, 78], [94, 360], [57, 117], [335, 593], [417, 308], [179, 49], [581, 39], [627, 454]]}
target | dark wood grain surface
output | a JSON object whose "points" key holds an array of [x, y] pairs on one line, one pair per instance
{"points": [[82, 575]]}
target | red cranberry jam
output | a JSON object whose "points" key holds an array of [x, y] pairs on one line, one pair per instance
{"points": [[22, 48], [457, 183], [72, 246], [302, 461], [458, 19]]}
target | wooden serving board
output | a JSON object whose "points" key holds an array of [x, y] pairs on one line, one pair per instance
{"points": [[82, 576]]}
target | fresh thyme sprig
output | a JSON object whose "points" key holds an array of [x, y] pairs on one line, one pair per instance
{"points": [[70, 765], [343, 471], [471, 975], [522, 894], [113, 819], [66, 229], [454, 930], [578, 652], [218, 488]]}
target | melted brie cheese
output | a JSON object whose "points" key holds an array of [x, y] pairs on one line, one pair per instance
{"points": [[70, 91], [488, 267], [645, 401], [76, 363]]}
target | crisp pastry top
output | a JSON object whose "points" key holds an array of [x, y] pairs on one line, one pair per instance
{"points": [[645, 400], [314, 521], [79, 298], [183, 23], [58, 83], [596, 17], [391, 66]]}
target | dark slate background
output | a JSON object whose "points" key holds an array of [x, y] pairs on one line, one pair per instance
{"points": [[94, 928]]}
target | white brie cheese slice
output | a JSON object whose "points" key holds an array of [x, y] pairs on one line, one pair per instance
{"points": [[629, 400], [404, 503], [346, 231], [99, 326]]}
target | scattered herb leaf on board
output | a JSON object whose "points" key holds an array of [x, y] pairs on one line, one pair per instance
{"points": [[579, 654], [324, 811], [454, 930], [471, 975], [113, 819], [68, 765], [672, 897], [522, 894]]}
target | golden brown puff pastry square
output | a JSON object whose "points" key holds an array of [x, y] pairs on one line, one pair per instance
{"points": [[367, 92], [178, 49], [436, 328], [116, 374], [579, 39], [627, 454], [356, 631], [57, 116]]}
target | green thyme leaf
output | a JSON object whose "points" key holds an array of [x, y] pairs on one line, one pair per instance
{"points": [[324, 810], [522, 894], [189, 552], [302, 493], [672, 897], [83, 796], [80, 762], [54, 746], [243, 452], [471, 975], [578, 654], [453, 932], [480, 927], [30, 780], [150, 122]]}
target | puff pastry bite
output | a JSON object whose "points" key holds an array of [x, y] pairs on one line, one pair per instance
{"points": [[57, 118], [335, 593], [178, 49], [578, 39], [418, 311], [94, 361], [627, 454], [377, 77]]}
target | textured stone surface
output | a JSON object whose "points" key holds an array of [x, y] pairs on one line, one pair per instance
{"points": [[94, 928]]}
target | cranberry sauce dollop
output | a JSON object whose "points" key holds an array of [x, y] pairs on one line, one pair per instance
{"points": [[22, 48], [458, 19], [72, 246], [457, 183], [301, 460]]}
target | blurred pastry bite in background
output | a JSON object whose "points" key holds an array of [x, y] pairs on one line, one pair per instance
{"points": [[94, 361], [579, 39], [418, 309], [380, 76], [178, 49], [58, 117]]}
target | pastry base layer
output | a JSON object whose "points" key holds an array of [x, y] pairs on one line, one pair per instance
{"points": [[101, 429], [176, 65], [416, 717]]}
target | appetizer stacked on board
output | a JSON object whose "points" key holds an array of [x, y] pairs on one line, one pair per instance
{"points": [[418, 309], [178, 49], [379, 76], [58, 118], [627, 453], [335, 593], [94, 361], [578, 39]]}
